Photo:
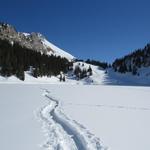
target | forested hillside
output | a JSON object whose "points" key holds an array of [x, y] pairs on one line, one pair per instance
{"points": [[15, 59], [134, 61]]}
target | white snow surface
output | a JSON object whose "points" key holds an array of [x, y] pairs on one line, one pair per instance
{"points": [[43, 116], [57, 51], [80, 138]]}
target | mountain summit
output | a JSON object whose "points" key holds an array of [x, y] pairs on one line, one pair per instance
{"points": [[34, 41]]}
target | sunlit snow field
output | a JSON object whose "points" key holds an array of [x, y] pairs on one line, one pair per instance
{"points": [[118, 115]]}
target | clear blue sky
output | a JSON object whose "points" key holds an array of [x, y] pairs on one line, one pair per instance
{"points": [[96, 29]]}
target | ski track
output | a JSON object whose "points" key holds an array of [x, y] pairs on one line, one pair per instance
{"points": [[57, 138], [64, 133]]}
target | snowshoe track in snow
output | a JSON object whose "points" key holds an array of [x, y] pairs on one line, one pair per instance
{"points": [[64, 133]]}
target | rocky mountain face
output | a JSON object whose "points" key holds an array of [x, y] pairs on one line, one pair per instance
{"points": [[34, 41], [31, 41]]}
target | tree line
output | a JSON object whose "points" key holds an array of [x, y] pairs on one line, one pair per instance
{"points": [[103, 65]]}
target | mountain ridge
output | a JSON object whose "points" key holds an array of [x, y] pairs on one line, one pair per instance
{"points": [[34, 41]]}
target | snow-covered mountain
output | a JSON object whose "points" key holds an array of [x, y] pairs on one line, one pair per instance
{"points": [[132, 69], [34, 41]]}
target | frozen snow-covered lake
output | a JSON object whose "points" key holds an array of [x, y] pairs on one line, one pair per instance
{"points": [[118, 115]]}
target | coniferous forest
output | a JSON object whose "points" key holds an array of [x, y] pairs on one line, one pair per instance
{"points": [[134, 61], [15, 59]]}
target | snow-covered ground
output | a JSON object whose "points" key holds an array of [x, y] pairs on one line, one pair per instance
{"points": [[19, 128], [115, 78], [42, 116]]}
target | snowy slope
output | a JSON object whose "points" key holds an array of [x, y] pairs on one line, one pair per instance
{"points": [[57, 51], [109, 77], [48, 46], [98, 74], [115, 78]]}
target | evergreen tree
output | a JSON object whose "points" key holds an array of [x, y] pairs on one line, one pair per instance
{"points": [[90, 70]]}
